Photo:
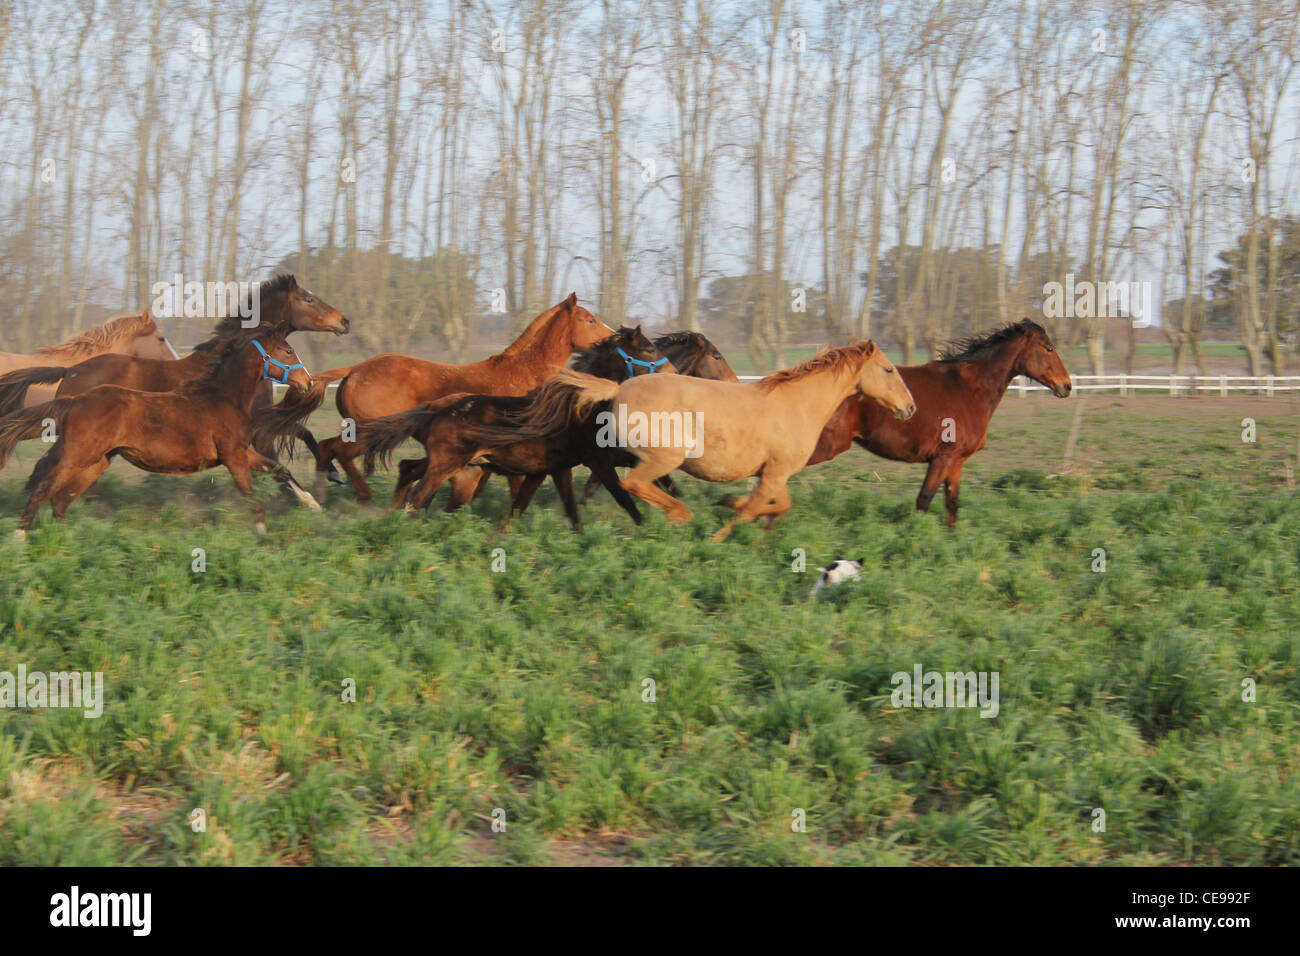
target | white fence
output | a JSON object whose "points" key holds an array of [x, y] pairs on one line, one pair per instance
{"points": [[1268, 385]]}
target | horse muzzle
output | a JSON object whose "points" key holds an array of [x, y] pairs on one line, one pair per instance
{"points": [[903, 414], [343, 327], [1062, 389]]}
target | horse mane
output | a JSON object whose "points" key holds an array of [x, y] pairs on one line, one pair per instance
{"points": [[678, 338], [976, 347], [827, 360], [103, 337], [536, 328], [232, 326]]}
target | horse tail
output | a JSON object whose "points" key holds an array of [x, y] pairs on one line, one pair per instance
{"points": [[562, 399], [282, 424], [30, 422], [13, 387], [378, 438]]}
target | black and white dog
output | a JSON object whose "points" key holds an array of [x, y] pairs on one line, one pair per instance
{"points": [[839, 571]]}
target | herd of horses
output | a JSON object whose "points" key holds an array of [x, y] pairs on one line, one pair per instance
{"points": [[540, 408]]}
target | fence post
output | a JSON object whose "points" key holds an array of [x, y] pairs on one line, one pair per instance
{"points": [[1269, 389], [1223, 385], [1123, 384], [1173, 386]]}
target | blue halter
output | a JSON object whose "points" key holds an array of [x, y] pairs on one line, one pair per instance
{"points": [[633, 363], [267, 362]]}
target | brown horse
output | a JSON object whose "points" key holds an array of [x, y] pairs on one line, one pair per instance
{"points": [[203, 424], [284, 306], [767, 429], [694, 355], [388, 384], [135, 335], [956, 397], [448, 426]]}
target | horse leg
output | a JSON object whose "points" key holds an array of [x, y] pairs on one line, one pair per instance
{"points": [[466, 485], [345, 453], [640, 481], [308, 439], [61, 470], [951, 488], [769, 498], [604, 471], [261, 463], [933, 476], [75, 486], [590, 488], [236, 461], [409, 471], [527, 488], [564, 485]]}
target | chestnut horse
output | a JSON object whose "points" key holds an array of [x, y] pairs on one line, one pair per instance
{"points": [[390, 383], [767, 429], [956, 397], [206, 422], [135, 335], [447, 427]]}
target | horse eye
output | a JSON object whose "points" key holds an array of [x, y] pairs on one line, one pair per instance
{"points": [[889, 371], [1049, 348]]}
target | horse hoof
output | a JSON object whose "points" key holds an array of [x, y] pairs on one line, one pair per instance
{"points": [[20, 534], [261, 529], [334, 477], [313, 504]]}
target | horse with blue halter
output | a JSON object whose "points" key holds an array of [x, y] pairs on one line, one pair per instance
{"points": [[204, 423]]}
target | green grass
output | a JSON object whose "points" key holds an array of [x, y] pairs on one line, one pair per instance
{"points": [[522, 690]]}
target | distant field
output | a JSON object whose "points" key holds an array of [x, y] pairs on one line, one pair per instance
{"points": [[522, 690]]}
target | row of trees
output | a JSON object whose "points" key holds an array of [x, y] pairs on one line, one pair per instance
{"points": [[784, 169]]}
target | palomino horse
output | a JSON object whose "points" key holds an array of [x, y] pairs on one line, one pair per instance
{"points": [[767, 429], [136, 335], [284, 305], [204, 423], [956, 397], [390, 383], [446, 428], [691, 354]]}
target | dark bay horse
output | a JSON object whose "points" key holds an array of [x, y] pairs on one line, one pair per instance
{"points": [[694, 355], [447, 430], [388, 384], [956, 397], [205, 423]]}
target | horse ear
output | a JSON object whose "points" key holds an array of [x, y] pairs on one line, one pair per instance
{"points": [[572, 300], [293, 281]]}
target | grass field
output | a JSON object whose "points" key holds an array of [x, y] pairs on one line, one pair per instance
{"points": [[522, 690]]}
